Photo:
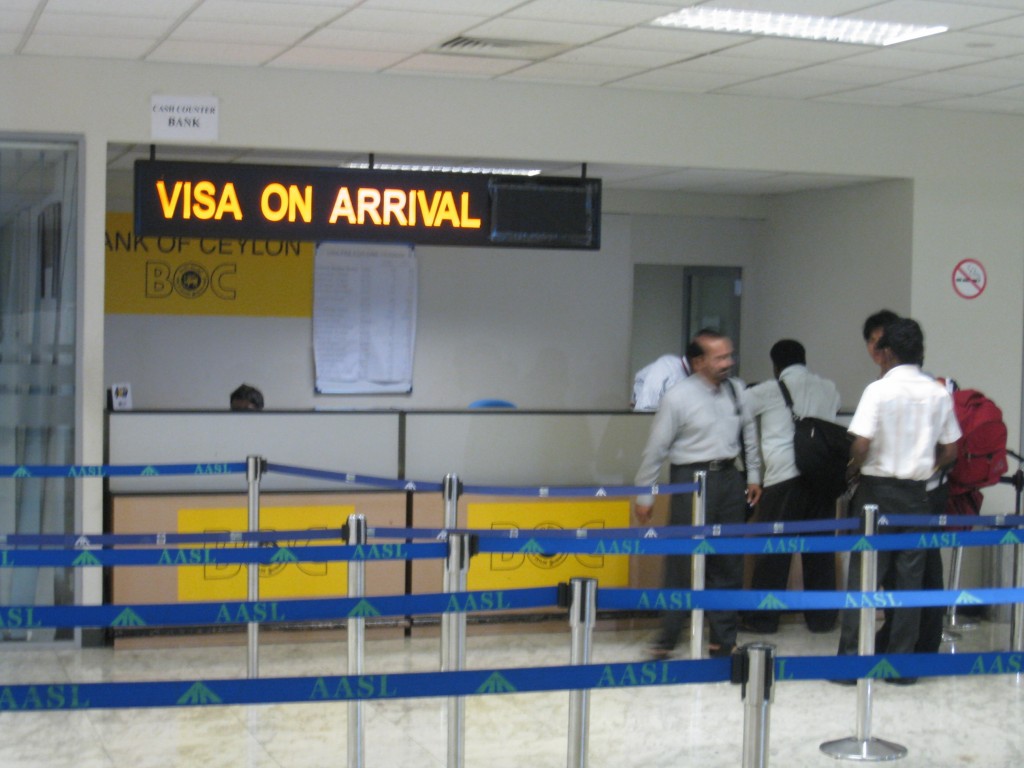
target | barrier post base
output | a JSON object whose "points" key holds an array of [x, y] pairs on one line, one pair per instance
{"points": [[863, 750], [956, 621]]}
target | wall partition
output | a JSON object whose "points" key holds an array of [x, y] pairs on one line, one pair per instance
{"points": [[38, 287]]}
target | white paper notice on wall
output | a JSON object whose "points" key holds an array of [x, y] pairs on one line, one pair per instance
{"points": [[184, 118], [364, 318]]}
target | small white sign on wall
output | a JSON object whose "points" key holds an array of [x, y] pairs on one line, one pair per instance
{"points": [[121, 396], [184, 118]]}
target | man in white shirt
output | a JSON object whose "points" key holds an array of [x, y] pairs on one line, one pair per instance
{"points": [[933, 617], [904, 429], [654, 379], [787, 495], [698, 428]]}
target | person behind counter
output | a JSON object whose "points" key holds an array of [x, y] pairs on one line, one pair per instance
{"points": [[246, 398]]}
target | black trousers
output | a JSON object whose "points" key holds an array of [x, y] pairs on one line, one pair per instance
{"points": [[933, 617], [725, 503], [893, 497], [794, 500]]}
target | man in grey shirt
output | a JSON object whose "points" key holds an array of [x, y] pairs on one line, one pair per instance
{"points": [[698, 427], [787, 495]]}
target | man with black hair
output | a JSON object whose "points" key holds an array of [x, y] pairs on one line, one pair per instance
{"points": [[874, 327], [246, 398], [698, 428], [904, 429], [787, 495], [932, 617]]}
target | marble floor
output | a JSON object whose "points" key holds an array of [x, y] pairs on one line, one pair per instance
{"points": [[941, 721]]}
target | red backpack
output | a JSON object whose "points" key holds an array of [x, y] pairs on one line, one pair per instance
{"points": [[981, 452]]}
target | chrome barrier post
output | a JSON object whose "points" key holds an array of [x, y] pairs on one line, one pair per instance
{"points": [[697, 568], [582, 613], [450, 489], [355, 631], [1017, 616], [863, 746], [254, 468], [758, 661], [453, 645], [953, 621]]}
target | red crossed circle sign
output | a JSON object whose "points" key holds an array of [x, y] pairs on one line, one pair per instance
{"points": [[969, 279]]}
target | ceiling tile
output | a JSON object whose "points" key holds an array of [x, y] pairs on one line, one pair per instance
{"points": [[683, 82], [220, 52], [266, 12], [458, 66], [929, 13], [567, 72], [786, 87], [485, 8], [685, 42], [400, 22], [345, 60], [164, 9], [370, 40], [89, 24], [546, 31], [607, 12], [969, 44], [267, 34], [89, 47], [623, 57]]}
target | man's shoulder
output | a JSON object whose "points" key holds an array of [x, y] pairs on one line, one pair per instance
{"points": [[766, 388], [823, 383]]}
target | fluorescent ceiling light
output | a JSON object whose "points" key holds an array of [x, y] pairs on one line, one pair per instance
{"points": [[834, 29], [448, 169]]}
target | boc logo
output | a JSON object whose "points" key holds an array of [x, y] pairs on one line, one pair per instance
{"points": [[189, 280]]}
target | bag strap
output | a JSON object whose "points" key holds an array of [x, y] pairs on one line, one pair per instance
{"points": [[739, 413], [788, 398]]}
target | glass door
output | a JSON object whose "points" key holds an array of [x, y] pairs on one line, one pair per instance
{"points": [[712, 300], [38, 258]]}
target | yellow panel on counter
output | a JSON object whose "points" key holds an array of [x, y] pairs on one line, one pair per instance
{"points": [[277, 580], [510, 571]]}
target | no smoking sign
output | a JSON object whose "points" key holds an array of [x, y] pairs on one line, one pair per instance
{"points": [[969, 279]]}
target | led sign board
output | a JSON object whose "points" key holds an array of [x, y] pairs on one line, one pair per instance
{"points": [[227, 200]]}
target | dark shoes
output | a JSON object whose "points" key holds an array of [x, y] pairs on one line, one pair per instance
{"points": [[721, 651], [890, 680], [754, 628], [658, 653], [901, 680]]}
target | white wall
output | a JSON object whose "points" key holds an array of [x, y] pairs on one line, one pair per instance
{"points": [[832, 258], [544, 329], [967, 173]]}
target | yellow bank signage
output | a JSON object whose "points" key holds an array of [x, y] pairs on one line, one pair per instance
{"points": [[177, 275], [229, 581], [510, 570], [226, 200]]}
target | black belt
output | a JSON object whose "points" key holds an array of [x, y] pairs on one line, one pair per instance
{"points": [[892, 482], [715, 465]]}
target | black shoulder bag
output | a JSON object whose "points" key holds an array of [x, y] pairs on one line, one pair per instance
{"points": [[822, 450]]}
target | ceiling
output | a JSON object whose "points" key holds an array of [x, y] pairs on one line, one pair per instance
{"points": [[977, 66]]}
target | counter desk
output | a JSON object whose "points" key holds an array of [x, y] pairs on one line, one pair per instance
{"points": [[487, 450]]}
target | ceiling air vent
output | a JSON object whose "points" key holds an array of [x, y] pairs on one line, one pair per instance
{"points": [[500, 48]]}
